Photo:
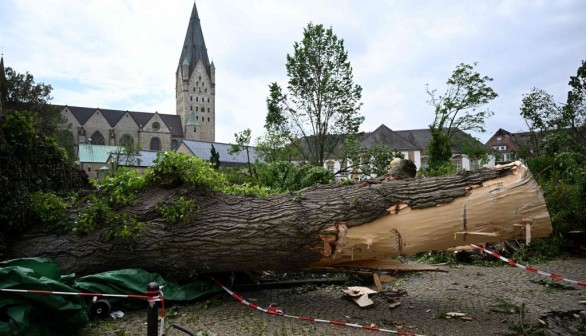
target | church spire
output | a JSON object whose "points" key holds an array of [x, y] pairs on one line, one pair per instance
{"points": [[194, 47]]}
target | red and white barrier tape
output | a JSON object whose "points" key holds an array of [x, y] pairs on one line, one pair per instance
{"points": [[273, 311], [151, 297], [34, 291], [528, 268]]}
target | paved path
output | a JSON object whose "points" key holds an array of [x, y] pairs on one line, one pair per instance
{"points": [[477, 291]]}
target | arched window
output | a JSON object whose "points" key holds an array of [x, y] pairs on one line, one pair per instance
{"points": [[155, 144], [97, 139], [127, 141], [174, 144]]}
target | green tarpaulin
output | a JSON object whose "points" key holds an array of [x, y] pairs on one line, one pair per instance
{"points": [[42, 314]]}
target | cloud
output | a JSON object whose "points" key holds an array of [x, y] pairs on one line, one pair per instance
{"points": [[123, 54]]}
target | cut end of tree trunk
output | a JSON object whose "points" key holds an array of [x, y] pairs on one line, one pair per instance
{"points": [[508, 207]]}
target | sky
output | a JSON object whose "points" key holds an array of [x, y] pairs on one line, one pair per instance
{"points": [[123, 54]]}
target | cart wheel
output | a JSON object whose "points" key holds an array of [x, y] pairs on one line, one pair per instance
{"points": [[101, 308]]}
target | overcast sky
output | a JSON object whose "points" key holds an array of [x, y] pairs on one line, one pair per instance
{"points": [[122, 54]]}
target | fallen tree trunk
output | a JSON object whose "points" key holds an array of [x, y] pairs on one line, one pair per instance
{"points": [[322, 226]]}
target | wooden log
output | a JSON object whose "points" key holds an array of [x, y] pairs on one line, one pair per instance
{"points": [[320, 226]]}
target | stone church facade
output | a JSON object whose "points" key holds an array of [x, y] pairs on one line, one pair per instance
{"points": [[194, 118]]}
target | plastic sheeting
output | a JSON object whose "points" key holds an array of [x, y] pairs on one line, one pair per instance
{"points": [[42, 314], [135, 281], [38, 314]]}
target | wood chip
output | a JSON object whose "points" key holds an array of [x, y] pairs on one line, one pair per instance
{"points": [[394, 305], [363, 301], [377, 282], [360, 290]]}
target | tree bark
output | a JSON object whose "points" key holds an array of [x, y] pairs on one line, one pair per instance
{"points": [[322, 226]]}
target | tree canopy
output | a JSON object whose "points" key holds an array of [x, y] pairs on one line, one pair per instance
{"points": [[555, 151], [322, 102], [460, 107], [33, 166]]}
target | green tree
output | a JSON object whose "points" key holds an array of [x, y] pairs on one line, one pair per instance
{"points": [[458, 108], [31, 161], [24, 94], [575, 109], [214, 158], [556, 152], [378, 158], [542, 115], [322, 103], [276, 147], [242, 140]]}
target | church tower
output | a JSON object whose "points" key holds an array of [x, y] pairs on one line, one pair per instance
{"points": [[196, 85]]}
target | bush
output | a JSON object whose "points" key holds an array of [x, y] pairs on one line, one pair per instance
{"points": [[287, 176], [121, 188], [446, 168], [29, 163], [173, 169], [50, 209], [181, 211]]}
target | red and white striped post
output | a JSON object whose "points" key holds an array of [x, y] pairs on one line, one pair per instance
{"points": [[153, 291]]}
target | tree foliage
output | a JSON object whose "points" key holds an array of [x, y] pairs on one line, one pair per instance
{"points": [[30, 163], [243, 144], [287, 176], [24, 94], [276, 147], [556, 151], [575, 109], [322, 102], [460, 107], [34, 168], [215, 158], [375, 160]]}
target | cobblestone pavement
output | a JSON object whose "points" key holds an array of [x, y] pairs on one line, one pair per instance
{"points": [[489, 295]]}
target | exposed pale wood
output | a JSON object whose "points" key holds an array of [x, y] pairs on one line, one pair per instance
{"points": [[322, 226], [489, 212], [387, 278], [377, 282]]}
